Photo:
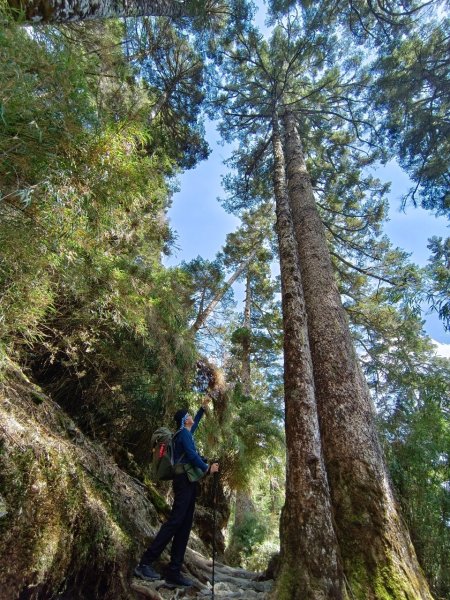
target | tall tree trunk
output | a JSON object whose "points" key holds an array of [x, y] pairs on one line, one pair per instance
{"points": [[245, 362], [310, 565], [59, 11], [379, 559], [244, 506], [157, 107], [204, 314]]}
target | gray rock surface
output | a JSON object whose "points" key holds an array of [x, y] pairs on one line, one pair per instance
{"points": [[229, 583]]}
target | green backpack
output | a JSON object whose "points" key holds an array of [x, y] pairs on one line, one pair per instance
{"points": [[163, 466]]}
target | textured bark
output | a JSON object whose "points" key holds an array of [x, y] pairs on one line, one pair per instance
{"points": [[157, 108], [245, 364], [61, 11], [310, 566], [379, 560], [204, 314]]}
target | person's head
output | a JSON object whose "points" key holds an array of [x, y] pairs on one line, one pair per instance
{"points": [[183, 418]]}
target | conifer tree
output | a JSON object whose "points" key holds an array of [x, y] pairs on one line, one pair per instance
{"points": [[254, 236], [292, 77], [306, 522], [360, 489], [310, 561], [439, 275]]}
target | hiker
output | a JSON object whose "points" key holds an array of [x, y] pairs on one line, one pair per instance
{"points": [[179, 524]]}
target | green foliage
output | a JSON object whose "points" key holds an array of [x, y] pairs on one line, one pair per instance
{"points": [[438, 272], [268, 499], [85, 300], [240, 336], [249, 433], [173, 71], [412, 95], [250, 533], [71, 189], [206, 280], [416, 430]]}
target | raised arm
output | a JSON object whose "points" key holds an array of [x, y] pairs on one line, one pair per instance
{"points": [[201, 411], [197, 419]]}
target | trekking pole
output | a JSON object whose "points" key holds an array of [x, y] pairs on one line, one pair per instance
{"points": [[215, 478]]}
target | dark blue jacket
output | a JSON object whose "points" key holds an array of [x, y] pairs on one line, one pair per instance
{"points": [[183, 443]]}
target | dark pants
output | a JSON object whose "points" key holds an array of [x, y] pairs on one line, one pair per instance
{"points": [[178, 526]]}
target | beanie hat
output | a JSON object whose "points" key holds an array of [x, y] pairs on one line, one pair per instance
{"points": [[179, 417]]}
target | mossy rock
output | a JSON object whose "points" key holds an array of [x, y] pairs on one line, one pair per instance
{"points": [[72, 523]]}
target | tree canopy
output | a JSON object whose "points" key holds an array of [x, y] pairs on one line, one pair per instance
{"points": [[98, 117]]}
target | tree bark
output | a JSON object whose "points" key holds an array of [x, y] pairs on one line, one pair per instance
{"points": [[157, 107], [63, 11], [245, 364], [310, 564], [379, 560]]}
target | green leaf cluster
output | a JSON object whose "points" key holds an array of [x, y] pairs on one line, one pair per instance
{"points": [[411, 94], [416, 430]]}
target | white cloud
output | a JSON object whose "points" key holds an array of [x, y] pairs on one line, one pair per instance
{"points": [[442, 349]]}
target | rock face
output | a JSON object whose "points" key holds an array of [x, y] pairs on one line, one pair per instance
{"points": [[71, 522], [229, 583]]}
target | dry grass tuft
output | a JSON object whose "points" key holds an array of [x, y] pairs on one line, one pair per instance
{"points": [[211, 380]]}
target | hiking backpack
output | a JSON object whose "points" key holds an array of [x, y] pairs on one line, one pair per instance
{"points": [[162, 454]]}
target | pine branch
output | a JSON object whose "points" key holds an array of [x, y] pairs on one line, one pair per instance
{"points": [[363, 271]]}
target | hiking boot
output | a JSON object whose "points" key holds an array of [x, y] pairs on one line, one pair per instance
{"points": [[146, 572], [178, 580]]}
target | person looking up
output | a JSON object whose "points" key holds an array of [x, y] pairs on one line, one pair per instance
{"points": [[179, 524]]}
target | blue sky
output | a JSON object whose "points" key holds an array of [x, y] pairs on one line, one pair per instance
{"points": [[201, 224]]}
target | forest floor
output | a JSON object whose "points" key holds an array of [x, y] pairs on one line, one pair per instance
{"points": [[229, 583]]}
